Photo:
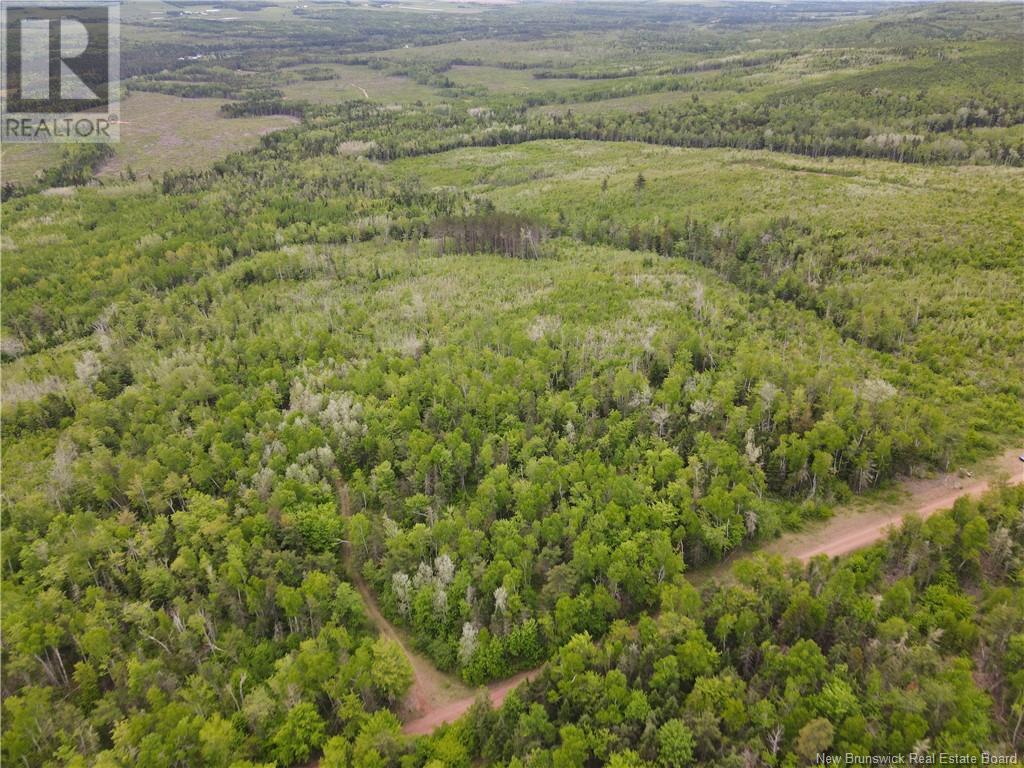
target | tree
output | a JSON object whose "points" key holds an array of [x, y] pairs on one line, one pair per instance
{"points": [[573, 751], [302, 731], [391, 673], [814, 738], [675, 744], [337, 753], [319, 525], [219, 740]]}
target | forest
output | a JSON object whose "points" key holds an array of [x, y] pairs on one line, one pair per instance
{"points": [[507, 352]]}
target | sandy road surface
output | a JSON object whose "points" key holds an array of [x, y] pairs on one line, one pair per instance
{"points": [[864, 522], [847, 532], [836, 545]]}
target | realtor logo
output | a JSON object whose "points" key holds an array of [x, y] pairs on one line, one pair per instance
{"points": [[60, 71]]}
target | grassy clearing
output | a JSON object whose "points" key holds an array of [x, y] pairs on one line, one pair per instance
{"points": [[567, 51], [160, 133], [500, 80], [21, 161], [167, 132], [641, 103], [353, 81], [876, 201]]}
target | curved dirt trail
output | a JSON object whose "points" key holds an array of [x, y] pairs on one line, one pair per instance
{"points": [[436, 698], [449, 713], [431, 688]]}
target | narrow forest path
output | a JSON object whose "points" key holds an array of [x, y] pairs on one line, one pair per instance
{"points": [[359, 87], [437, 698]]}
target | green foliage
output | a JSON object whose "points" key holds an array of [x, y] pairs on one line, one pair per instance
{"points": [[675, 744], [300, 733], [390, 670], [319, 525], [866, 682], [218, 385]]}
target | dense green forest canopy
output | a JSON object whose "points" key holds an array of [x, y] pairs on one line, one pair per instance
{"points": [[908, 647], [535, 310]]}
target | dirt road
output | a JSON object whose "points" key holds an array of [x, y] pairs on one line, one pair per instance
{"points": [[850, 530], [449, 713], [864, 522], [436, 698]]}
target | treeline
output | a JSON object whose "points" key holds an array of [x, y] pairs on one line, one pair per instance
{"points": [[788, 127], [640, 86], [708, 65], [206, 90], [702, 126], [265, 104], [647, 85], [951, 138], [77, 166], [316, 74], [504, 233]]}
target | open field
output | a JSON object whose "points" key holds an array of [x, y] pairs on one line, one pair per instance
{"points": [[20, 162], [163, 133], [498, 80], [142, 11], [159, 133], [567, 51], [351, 81], [642, 103], [874, 201]]}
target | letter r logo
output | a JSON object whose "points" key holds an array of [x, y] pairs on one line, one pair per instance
{"points": [[60, 66], [57, 57]]}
